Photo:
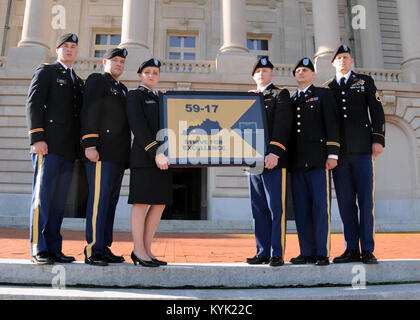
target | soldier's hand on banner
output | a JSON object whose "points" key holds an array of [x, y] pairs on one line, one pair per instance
{"points": [[331, 164], [271, 160], [40, 147], [92, 154], [162, 161], [377, 149]]}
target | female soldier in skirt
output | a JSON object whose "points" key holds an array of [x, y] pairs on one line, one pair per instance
{"points": [[150, 176]]}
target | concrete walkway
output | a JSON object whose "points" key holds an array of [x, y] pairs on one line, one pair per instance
{"points": [[382, 292]]}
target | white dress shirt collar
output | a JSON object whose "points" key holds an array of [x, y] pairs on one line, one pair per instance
{"points": [[339, 76], [264, 88]]}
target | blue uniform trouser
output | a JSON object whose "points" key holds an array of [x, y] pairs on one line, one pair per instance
{"points": [[268, 203], [104, 180], [312, 207], [51, 185], [354, 180]]}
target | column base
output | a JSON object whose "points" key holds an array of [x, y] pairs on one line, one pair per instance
{"points": [[411, 71], [324, 68], [136, 56], [234, 62], [22, 61]]}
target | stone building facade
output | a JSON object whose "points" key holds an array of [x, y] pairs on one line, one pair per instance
{"points": [[211, 45]]}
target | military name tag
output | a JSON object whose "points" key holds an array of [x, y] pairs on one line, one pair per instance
{"points": [[61, 82], [213, 128]]}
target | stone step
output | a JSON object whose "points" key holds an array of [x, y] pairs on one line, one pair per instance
{"points": [[208, 275], [13, 111]]}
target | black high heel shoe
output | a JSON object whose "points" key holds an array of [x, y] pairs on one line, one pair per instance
{"points": [[159, 262], [144, 263]]}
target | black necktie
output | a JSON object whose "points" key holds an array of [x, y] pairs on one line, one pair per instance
{"points": [[69, 74], [342, 82], [301, 94]]}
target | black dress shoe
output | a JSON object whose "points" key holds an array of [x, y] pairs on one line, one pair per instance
{"points": [[159, 262], [303, 260], [322, 261], [96, 260], [61, 258], [348, 256], [112, 258], [258, 260], [276, 262], [42, 258], [368, 258], [144, 263]]}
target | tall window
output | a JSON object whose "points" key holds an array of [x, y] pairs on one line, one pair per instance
{"points": [[258, 46], [182, 47], [104, 41]]}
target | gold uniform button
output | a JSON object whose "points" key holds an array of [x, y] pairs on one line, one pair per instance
{"points": [[107, 131], [345, 116], [298, 109], [298, 115], [298, 131]]}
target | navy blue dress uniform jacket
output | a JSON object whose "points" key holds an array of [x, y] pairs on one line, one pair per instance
{"points": [[279, 113], [316, 129], [143, 115], [357, 101], [53, 110], [104, 119]]}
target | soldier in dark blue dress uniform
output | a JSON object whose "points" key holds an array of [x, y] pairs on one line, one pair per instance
{"points": [[362, 124], [106, 142], [150, 176], [52, 111], [268, 189], [314, 152]]}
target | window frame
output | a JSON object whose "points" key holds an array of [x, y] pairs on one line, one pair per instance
{"points": [[182, 50], [103, 47]]}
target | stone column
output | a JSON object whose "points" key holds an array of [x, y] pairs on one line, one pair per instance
{"points": [[327, 35], [409, 13], [233, 55], [33, 47], [134, 35], [371, 38]]}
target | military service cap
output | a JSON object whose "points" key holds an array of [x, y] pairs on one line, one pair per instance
{"points": [[149, 63], [305, 62], [342, 49], [262, 63], [116, 52], [68, 37]]}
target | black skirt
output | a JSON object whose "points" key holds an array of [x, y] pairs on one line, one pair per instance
{"points": [[150, 186]]}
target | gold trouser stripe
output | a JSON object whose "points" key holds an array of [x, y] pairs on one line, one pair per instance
{"points": [[150, 146], [35, 220], [329, 214], [283, 204], [373, 196], [95, 207]]}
